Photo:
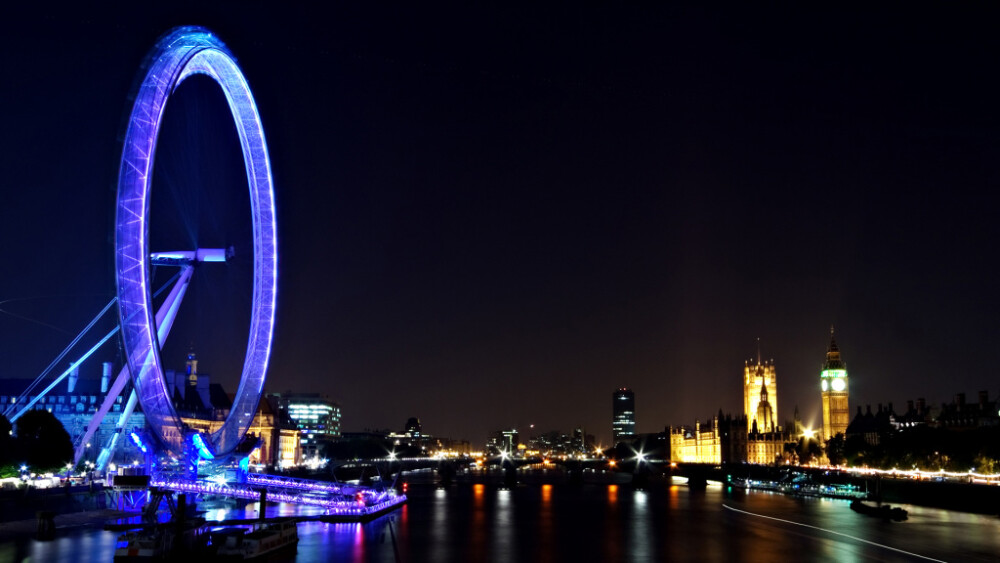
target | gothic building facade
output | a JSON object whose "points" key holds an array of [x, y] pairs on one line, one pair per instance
{"points": [[760, 393]]}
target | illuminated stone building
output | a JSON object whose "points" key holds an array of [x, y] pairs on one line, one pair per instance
{"points": [[204, 406], [760, 393], [728, 440], [696, 445], [279, 446], [75, 402], [767, 448], [765, 439], [201, 405], [834, 387]]}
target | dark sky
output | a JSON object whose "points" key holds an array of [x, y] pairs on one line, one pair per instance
{"points": [[493, 216]]}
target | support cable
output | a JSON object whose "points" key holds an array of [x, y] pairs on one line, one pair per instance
{"points": [[9, 410], [59, 358]]}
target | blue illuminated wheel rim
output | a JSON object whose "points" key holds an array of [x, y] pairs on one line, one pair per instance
{"points": [[179, 54]]}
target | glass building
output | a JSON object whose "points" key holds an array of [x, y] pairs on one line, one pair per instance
{"points": [[313, 415], [623, 415]]}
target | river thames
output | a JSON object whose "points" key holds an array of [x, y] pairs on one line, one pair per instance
{"points": [[591, 522]]}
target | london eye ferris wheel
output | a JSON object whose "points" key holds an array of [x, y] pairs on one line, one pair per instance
{"points": [[180, 54]]}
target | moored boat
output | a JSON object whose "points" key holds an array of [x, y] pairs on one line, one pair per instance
{"points": [[883, 511], [162, 541], [262, 540]]}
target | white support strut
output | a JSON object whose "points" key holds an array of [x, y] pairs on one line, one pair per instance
{"points": [[164, 320]]}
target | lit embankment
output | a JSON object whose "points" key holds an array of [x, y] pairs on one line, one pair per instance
{"points": [[337, 500], [968, 492]]}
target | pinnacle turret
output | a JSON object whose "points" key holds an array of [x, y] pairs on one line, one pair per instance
{"points": [[833, 360]]}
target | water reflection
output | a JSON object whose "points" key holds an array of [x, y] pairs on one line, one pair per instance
{"points": [[597, 522], [359, 542], [82, 548], [505, 537], [439, 528], [641, 532], [612, 527], [547, 545], [476, 547]]}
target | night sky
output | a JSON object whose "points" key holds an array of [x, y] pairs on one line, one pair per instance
{"points": [[493, 217]]}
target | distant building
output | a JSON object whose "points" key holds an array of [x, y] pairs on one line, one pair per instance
{"points": [[204, 406], [700, 444], [504, 441], [200, 404], [555, 444], [760, 393], [872, 427], [754, 437], [314, 416], [916, 414], [413, 441], [727, 440], [74, 402], [733, 435], [834, 388], [413, 427], [767, 448], [623, 415], [959, 415], [509, 440]]}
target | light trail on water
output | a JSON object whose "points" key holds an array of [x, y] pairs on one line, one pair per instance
{"points": [[883, 546]]}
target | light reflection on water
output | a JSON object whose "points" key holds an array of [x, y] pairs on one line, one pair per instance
{"points": [[550, 523], [639, 539], [439, 528], [505, 545]]}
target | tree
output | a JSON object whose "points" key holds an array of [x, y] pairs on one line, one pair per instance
{"points": [[5, 439], [856, 451], [835, 449], [808, 449], [42, 441], [8, 467]]}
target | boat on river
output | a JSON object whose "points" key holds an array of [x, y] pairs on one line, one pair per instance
{"points": [[162, 541], [802, 487], [260, 541], [883, 511]]}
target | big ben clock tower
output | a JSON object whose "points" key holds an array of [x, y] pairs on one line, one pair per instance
{"points": [[833, 383]]}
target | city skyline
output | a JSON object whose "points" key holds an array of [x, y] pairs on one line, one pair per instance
{"points": [[493, 219]]}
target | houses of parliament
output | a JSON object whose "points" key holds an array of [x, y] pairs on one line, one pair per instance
{"points": [[755, 436]]}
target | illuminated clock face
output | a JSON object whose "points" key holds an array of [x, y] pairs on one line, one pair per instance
{"points": [[838, 384], [824, 385]]}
